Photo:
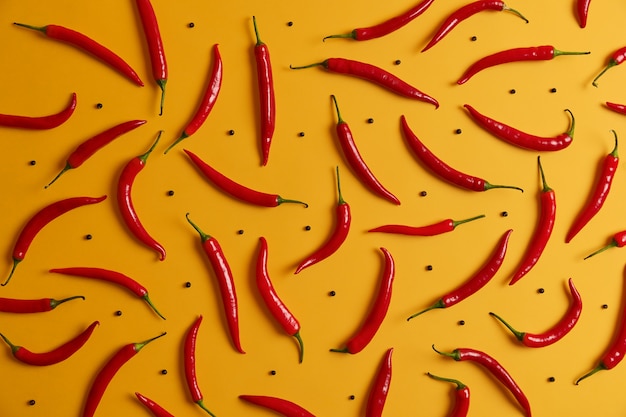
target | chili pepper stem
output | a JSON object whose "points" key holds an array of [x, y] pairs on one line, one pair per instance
{"points": [[161, 83], [490, 186], [600, 367], [614, 151], [459, 384], [147, 300], [145, 156], [15, 262], [41, 29], [340, 199], [458, 222], [454, 354], [203, 235], [351, 35], [343, 350], [546, 188], [14, 348], [66, 168], [140, 345], [201, 404], [256, 32], [611, 64], [558, 52], [613, 244], [317, 64], [177, 141], [281, 200], [301, 344], [55, 303], [519, 335], [438, 304], [508, 9], [570, 131]]}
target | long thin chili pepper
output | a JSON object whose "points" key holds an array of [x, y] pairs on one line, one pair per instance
{"points": [[125, 200], [534, 53], [618, 240], [558, 331], [209, 99], [15, 305], [275, 305], [108, 371], [522, 139], [154, 408], [267, 99], [156, 51], [582, 7], [380, 388], [438, 228], [616, 107], [225, 281], [235, 189], [372, 74], [112, 277], [388, 26], [90, 146], [599, 194], [343, 219], [616, 59], [354, 158], [59, 354], [279, 405], [477, 281], [378, 311], [443, 170], [495, 368], [189, 358], [464, 13], [461, 396], [542, 232], [39, 220], [88, 45], [40, 122]]}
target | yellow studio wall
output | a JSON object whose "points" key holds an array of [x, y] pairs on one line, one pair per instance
{"points": [[38, 76]]}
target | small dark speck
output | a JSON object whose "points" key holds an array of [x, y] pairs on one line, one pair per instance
{"points": [[88, 237], [32, 402], [541, 290], [307, 227], [33, 162], [605, 306], [187, 284], [551, 379], [423, 193], [512, 91], [473, 38], [118, 313], [553, 90], [289, 23], [191, 24], [272, 372], [99, 106], [352, 397], [332, 293], [163, 371], [170, 193], [301, 134], [231, 132], [370, 120], [398, 62], [504, 214], [458, 131], [461, 322], [429, 268], [240, 232]]}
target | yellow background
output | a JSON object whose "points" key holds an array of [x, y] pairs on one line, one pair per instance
{"points": [[38, 75]]}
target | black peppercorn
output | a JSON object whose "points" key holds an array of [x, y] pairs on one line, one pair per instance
{"points": [[307, 227], [163, 371], [553, 90], [99, 106], [170, 192], [512, 91], [191, 24], [88, 237], [398, 62], [352, 397], [473, 38], [541, 290], [33, 162], [370, 120], [423, 193], [551, 379], [458, 131], [118, 313], [231, 132], [289, 23], [272, 372], [461, 322], [301, 134], [429, 268], [332, 293], [605, 306], [504, 214], [187, 284], [31, 402], [240, 232]]}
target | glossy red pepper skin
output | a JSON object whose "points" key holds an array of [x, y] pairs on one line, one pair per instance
{"points": [[443, 170], [40, 122], [279, 405], [189, 358], [378, 311], [88, 45], [616, 58], [477, 281], [24, 306], [618, 240], [267, 103], [40, 220], [225, 281], [434, 229], [59, 354], [461, 396], [599, 193], [380, 389], [616, 107], [154, 408], [582, 7], [235, 189]]}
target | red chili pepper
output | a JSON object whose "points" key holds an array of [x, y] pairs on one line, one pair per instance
{"points": [[380, 389], [377, 314], [438, 228], [443, 170], [56, 355], [266, 94], [41, 219], [125, 200], [494, 367], [235, 189], [208, 99], [155, 45], [543, 230], [354, 158], [477, 281], [388, 26], [39, 122], [522, 139], [373, 74], [275, 305], [106, 374], [582, 7], [110, 276], [461, 396], [190, 364], [465, 12], [535, 53], [558, 331], [14, 305], [154, 408], [89, 147], [225, 280], [619, 108], [618, 240], [616, 58], [88, 45], [599, 194], [343, 218], [280, 405]]}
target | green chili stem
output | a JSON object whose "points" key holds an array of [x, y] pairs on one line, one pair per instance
{"points": [[66, 168], [15, 262], [140, 345], [203, 235], [611, 64], [14, 348], [455, 223], [301, 343], [570, 131], [454, 354], [285, 200], [145, 156], [161, 83], [41, 29], [177, 141], [256, 32], [340, 199], [317, 64], [519, 335], [600, 367], [147, 300], [614, 151], [343, 350], [438, 304], [459, 384], [546, 188], [201, 404], [613, 244], [351, 35], [508, 9], [557, 53], [55, 303]]}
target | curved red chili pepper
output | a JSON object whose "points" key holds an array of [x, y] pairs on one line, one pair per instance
{"points": [[190, 364], [237, 190], [125, 200], [88, 45], [438, 228], [343, 218], [14, 305], [465, 12], [274, 304], [542, 232], [494, 367], [110, 276], [534, 53], [377, 314], [618, 240], [582, 6], [59, 354], [461, 396], [477, 281], [380, 389], [522, 139], [558, 331], [40, 122], [616, 107], [154, 408], [106, 374], [225, 280], [266, 94], [86, 149], [443, 170], [354, 158], [599, 193], [373, 74], [40, 220], [208, 99], [616, 59], [388, 26], [280, 405]]}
